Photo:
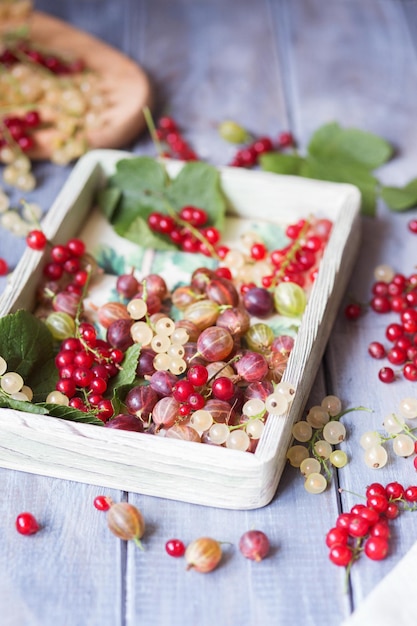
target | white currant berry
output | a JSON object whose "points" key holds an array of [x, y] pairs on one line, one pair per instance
{"points": [[56, 397], [376, 456], [315, 483], [11, 382], [309, 466], [317, 416], [369, 439], [302, 431], [338, 458], [255, 428], [218, 433], [296, 455], [332, 404], [393, 424], [253, 407], [3, 366], [238, 440], [334, 432], [323, 448], [408, 407], [403, 445]]}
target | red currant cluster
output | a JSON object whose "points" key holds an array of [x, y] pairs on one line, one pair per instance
{"points": [[366, 527], [188, 229], [248, 156], [23, 52], [394, 293], [399, 295], [85, 364], [176, 146], [16, 131]]}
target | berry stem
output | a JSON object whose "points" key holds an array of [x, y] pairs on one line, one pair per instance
{"points": [[152, 130]]}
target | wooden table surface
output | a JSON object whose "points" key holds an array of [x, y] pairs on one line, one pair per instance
{"points": [[272, 66]]}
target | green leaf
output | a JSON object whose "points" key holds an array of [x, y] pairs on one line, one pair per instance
{"points": [[108, 199], [138, 176], [73, 415], [198, 184], [139, 232], [279, 163], [400, 198], [331, 142], [42, 380], [345, 172], [26, 343], [127, 374], [19, 405]]}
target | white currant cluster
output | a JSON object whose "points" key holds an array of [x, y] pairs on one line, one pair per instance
{"points": [[398, 431], [317, 435], [13, 385], [163, 337], [20, 223]]}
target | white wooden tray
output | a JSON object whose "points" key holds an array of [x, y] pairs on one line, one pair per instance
{"points": [[151, 465]]}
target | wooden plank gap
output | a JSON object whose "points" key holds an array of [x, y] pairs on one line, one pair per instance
{"points": [[280, 25]]}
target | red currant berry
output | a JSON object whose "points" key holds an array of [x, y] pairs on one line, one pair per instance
{"points": [[340, 554], [394, 490], [378, 503], [376, 548], [375, 489], [4, 268], [182, 390], [410, 494], [353, 311], [380, 304], [343, 520], [197, 375], [381, 529], [285, 140], [394, 331], [392, 511], [26, 524], [386, 375], [336, 536], [175, 547], [36, 240], [358, 526], [223, 388], [410, 371], [102, 503], [76, 247], [412, 225], [376, 350], [105, 410], [258, 251]]}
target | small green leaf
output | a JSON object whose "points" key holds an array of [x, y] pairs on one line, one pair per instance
{"points": [[400, 198], [347, 172], [127, 374], [281, 163], [331, 142]]}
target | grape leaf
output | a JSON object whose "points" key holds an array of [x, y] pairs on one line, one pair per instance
{"points": [[333, 143], [400, 198], [281, 163]]}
